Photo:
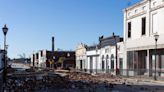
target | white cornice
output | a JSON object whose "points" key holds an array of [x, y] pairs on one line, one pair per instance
{"points": [[145, 47], [136, 5], [136, 15], [157, 7], [144, 12]]}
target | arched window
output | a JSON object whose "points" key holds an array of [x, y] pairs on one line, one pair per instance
{"points": [[112, 62], [103, 63]]}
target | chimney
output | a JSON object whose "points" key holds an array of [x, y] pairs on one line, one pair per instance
{"points": [[53, 44]]}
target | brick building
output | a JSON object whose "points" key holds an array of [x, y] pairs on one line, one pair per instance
{"points": [[53, 59]]}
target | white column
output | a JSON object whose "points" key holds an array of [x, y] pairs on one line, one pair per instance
{"points": [[125, 63], [147, 63], [88, 62]]}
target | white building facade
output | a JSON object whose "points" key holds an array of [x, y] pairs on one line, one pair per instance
{"points": [[121, 63], [111, 60], [42, 58], [39, 59], [141, 22], [106, 57], [93, 58], [81, 57]]}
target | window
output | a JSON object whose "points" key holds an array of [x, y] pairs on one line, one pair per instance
{"points": [[143, 8], [106, 50], [41, 53], [33, 60], [136, 11], [144, 26], [130, 58], [103, 67], [129, 14], [155, 22], [37, 56], [154, 3], [129, 30], [121, 63]]}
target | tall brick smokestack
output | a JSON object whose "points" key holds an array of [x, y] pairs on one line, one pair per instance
{"points": [[53, 44]]}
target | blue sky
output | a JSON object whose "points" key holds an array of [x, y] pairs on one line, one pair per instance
{"points": [[32, 23]]}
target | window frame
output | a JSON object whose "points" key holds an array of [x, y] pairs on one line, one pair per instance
{"points": [[143, 26], [129, 29]]}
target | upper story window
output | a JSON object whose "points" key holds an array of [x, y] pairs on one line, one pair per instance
{"points": [[106, 50], [33, 58], [143, 25], [129, 14], [129, 29], [37, 56], [136, 10], [41, 53], [154, 3], [144, 7]]}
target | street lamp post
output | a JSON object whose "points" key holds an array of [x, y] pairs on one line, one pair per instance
{"points": [[114, 36], [5, 30], [156, 36]]}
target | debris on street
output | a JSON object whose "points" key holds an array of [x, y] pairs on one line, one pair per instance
{"points": [[72, 81]]}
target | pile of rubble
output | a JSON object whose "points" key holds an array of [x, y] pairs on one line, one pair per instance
{"points": [[78, 76], [98, 78], [105, 75]]}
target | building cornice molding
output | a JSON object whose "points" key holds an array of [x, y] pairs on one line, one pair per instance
{"points": [[159, 46], [144, 12], [136, 15], [157, 7], [136, 5]]}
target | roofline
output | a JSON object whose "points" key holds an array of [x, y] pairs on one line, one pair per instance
{"points": [[110, 37], [135, 5], [59, 51]]}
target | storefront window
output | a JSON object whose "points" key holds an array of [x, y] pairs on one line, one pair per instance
{"points": [[130, 59]]}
